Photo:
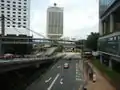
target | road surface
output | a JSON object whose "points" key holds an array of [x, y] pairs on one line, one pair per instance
{"points": [[58, 78]]}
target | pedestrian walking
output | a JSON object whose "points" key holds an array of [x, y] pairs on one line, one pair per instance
{"points": [[94, 77], [90, 74], [85, 85]]}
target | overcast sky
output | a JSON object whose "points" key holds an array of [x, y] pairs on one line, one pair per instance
{"points": [[80, 16]]}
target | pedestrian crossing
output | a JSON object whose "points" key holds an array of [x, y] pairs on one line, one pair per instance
{"points": [[78, 74]]}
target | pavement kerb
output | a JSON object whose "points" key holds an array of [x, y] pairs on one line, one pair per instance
{"points": [[81, 65], [103, 74], [94, 70], [84, 75]]}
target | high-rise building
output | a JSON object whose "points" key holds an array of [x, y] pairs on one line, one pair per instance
{"points": [[54, 22], [18, 11]]}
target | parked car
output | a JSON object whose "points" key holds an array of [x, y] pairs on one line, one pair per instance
{"points": [[18, 56], [9, 56], [66, 66], [87, 54], [1, 56]]}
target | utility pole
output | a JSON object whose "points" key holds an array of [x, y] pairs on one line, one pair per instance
{"points": [[3, 24]]}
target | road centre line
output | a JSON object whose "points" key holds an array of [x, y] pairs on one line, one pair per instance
{"points": [[51, 85], [58, 66], [61, 81], [48, 80], [52, 67]]}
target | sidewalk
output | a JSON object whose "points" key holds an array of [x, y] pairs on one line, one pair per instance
{"points": [[100, 84]]}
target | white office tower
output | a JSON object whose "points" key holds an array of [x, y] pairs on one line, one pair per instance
{"points": [[18, 11], [54, 22]]}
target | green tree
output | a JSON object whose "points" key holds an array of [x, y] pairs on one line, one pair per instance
{"points": [[79, 43], [91, 41]]}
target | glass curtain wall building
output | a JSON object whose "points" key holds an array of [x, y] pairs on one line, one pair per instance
{"points": [[109, 29], [104, 5]]}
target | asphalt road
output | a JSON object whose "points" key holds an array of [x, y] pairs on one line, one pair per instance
{"points": [[58, 78]]}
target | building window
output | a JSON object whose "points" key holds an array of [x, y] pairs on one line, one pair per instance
{"points": [[2, 0], [24, 16], [8, 1], [2, 11], [118, 37], [8, 22], [19, 19], [19, 23], [24, 6], [24, 23], [114, 38], [19, 12], [8, 15], [8, 25], [19, 9], [14, 12], [24, 19], [8, 8], [24, 26], [13, 22], [14, 9], [14, 5], [111, 38], [14, 19], [14, 2], [25, 0], [19, 2], [2, 4], [24, 13], [19, 16], [19, 6], [24, 9], [8, 5], [13, 25], [2, 7], [8, 19], [8, 12], [13, 15], [25, 3], [19, 26]]}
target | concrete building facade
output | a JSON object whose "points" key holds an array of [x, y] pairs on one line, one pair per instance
{"points": [[54, 22], [109, 29], [18, 11]]}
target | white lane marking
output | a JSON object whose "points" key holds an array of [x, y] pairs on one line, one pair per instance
{"points": [[51, 85], [78, 79], [78, 75], [46, 81], [58, 66], [52, 67], [61, 81]]}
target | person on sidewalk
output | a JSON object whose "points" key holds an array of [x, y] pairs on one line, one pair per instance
{"points": [[84, 88], [90, 74], [94, 77], [85, 85]]}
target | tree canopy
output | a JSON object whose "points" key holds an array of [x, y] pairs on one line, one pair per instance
{"points": [[79, 42], [91, 41]]}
